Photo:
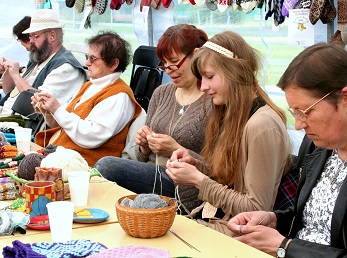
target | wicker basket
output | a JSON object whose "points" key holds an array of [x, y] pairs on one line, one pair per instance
{"points": [[146, 223]]}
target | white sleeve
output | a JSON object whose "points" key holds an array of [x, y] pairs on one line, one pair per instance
{"points": [[105, 120], [63, 82]]}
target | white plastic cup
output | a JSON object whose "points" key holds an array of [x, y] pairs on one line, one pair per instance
{"points": [[23, 138], [60, 215], [79, 187]]}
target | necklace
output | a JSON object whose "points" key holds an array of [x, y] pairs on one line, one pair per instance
{"points": [[181, 112]]}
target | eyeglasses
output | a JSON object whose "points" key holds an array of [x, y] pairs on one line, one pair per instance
{"points": [[35, 36], [92, 58], [302, 114], [163, 68]]}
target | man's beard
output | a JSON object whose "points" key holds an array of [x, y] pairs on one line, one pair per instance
{"points": [[39, 55]]}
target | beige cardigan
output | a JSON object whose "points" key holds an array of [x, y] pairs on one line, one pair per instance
{"points": [[265, 146]]}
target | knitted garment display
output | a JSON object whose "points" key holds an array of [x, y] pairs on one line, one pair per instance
{"points": [[66, 159], [73, 248], [8, 190], [145, 201], [133, 252]]}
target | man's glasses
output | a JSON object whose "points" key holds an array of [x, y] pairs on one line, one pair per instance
{"points": [[302, 114], [35, 36], [92, 58], [163, 68]]}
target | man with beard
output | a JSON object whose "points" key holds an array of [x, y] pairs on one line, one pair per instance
{"points": [[53, 68]]}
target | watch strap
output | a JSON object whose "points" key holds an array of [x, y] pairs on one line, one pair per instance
{"points": [[284, 243], [283, 247]]}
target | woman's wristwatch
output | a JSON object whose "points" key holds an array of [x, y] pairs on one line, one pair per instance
{"points": [[281, 251]]}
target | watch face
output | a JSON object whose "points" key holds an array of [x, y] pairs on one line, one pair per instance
{"points": [[281, 253]]}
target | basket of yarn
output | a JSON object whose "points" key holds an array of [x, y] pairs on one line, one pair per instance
{"points": [[146, 222]]}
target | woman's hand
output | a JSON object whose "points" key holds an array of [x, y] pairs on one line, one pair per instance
{"points": [[184, 174], [45, 102], [257, 229], [141, 139], [183, 155], [162, 144]]}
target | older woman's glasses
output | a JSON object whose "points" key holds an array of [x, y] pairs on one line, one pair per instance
{"points": [[302, 114], [163, 68], [92, 58], [35, 36]]}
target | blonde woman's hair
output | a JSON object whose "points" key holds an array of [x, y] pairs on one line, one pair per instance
{"points": [[227, 122]]}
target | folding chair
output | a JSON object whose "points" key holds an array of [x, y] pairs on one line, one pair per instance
{"points": [[145, 77]]}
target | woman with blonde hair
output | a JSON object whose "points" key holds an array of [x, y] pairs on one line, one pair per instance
{"points": [[247, 147]]}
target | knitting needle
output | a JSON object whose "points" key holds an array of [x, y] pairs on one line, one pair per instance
{"points": [[184, 241]]}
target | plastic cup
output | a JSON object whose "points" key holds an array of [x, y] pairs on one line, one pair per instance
{"points": [[79, 187], [23, 138], [60, 215]]}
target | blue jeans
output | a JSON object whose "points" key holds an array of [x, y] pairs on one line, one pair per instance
{"points": [[136, 176]]}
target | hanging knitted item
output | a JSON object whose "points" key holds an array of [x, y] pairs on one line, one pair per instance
{"points": [[192, 2], [70, 3], [79, 6], [166, 3], [93, 3], [248, 5], [88, 6], [115, 5], [155, 4], [329, 12], [129, 2], [212, 4], [278, 17], [143, 3], [269, 8], [322, 9], [222, 5], [288, 5], [342, 19], [100, 6], [200, 2]]}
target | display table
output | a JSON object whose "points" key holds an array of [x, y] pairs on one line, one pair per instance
{"points": [[104, 194]]}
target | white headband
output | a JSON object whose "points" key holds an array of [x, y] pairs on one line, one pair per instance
{"points": [[219, 49]]}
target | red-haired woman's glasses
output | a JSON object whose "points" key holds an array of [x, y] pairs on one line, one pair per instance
{"points": [[163, 68]]}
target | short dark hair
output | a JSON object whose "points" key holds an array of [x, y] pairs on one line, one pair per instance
{"points": [[21, 26], [180, 38], [112, 47]]}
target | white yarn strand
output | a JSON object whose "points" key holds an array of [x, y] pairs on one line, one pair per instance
{"points": [[219, 49], [157, 171]]}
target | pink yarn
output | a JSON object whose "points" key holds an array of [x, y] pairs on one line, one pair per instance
{"points": [[133, 251]]}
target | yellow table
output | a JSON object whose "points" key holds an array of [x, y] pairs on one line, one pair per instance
{"points": [[103, 194], [210, 243]]}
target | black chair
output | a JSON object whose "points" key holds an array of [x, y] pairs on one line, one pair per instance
{"points": [[145, 77], [22, 106]]}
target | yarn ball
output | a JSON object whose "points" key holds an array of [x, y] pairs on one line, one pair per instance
{"points": [[148, 201], [66, 159], [26, 168]]}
